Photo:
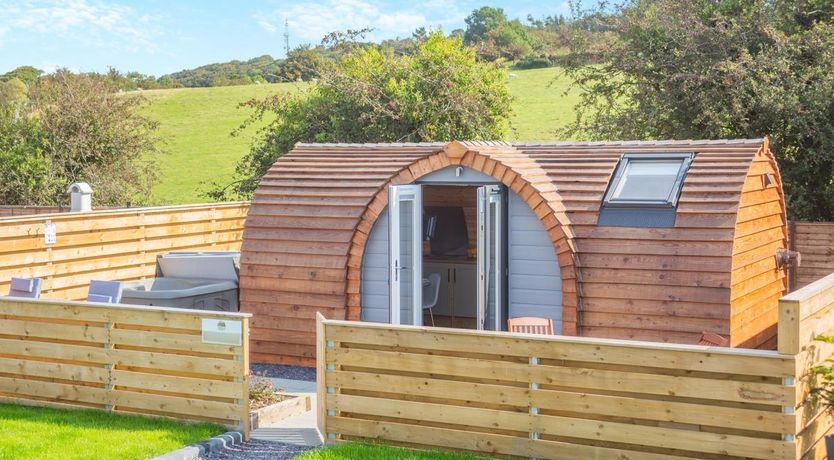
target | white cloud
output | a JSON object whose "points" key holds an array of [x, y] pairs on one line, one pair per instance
{"points": [[308, 23], [88, 22]]}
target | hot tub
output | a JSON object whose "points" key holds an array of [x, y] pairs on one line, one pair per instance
{"points": [[213, 295], [198, 280]]}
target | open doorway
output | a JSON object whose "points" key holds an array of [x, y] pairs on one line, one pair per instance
{"points": [[448, 255]]}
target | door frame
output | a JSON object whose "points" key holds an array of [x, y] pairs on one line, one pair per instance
{"points": [[492, 208], [397, 194]]}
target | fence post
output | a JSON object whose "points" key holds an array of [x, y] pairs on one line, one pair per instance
{"points": [[244, 421], [788, 326], [321, 387], [534, 411], [108, 345]]}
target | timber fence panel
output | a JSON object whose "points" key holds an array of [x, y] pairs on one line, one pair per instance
{"points": [[553, 397], [124, 358], [815, 241], [111, 244], [804, 316]]}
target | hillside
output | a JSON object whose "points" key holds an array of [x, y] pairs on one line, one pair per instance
{"points": [[196, 122]]}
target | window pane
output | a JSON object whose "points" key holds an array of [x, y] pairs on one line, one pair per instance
{"points": [[647, 180]]}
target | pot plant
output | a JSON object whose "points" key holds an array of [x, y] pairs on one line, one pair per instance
{"points": [[268, 404], [823, 390]]}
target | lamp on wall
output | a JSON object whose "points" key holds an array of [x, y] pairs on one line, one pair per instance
{"points": [[785, 258]]}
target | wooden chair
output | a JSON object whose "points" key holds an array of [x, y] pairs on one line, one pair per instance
{"points": [[531, 325], [711, 339]]}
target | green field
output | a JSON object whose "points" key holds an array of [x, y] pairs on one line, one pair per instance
{"points": [[195, 125]]}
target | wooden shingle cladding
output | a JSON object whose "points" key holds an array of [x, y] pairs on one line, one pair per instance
{"points": [[757, 282], [311, 216], [670, 284]]}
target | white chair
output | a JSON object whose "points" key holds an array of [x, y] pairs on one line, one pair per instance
{"points": [[29, 288], [105, 291], [431, 292]]}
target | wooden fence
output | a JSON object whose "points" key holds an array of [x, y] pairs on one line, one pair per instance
{"points": [[815, 241], [577, 398], [9, 211], [145, 360], [111, 244]]}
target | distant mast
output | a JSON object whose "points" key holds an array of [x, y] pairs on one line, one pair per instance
{"points": [[286, 37]]}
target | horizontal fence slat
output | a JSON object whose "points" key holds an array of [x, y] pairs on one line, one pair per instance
{"points": [[638, 435], [482, 393], [733, 361], [175, 405], [72, 372], [178, 384], [53, 351], [176, 362], [21, 388], [599, 379], [45, 330], [165, 340], [481, 442]]}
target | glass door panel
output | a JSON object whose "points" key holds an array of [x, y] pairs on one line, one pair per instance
{"points": [[406, 254], [491, 313]]}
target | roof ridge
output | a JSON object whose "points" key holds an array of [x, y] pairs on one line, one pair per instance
{"points": [[517, 143], [631, 143]]}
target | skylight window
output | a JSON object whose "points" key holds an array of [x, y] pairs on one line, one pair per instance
{"points": [[648, 180], [644, 190]]}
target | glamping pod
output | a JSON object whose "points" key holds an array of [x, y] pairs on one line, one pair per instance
{"points": [[660, 241]]}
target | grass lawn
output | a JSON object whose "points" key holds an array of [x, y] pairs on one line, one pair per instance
{"points": [[195, 124], [540, 105], [34, 433], [352, 451]]}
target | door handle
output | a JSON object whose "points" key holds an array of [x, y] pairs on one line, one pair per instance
{"points": [[455, 275]]}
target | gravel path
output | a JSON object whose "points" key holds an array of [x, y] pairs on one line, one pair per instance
{"points": [[262, 449], [284, 372], [256, 449]]}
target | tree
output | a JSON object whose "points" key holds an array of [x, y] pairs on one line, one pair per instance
{"points": [[439, 93], [24, 165], [27, 74], [77, 129], [719, 69], [13, 91], [482, 21], [303, 63]]}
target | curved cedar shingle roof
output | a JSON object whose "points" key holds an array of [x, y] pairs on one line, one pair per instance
{"points": [[308, 223]]}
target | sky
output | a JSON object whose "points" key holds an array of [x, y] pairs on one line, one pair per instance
{"points": [[157, 37]]}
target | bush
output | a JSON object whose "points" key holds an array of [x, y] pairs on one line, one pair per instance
{"points": [[533, 62], [440, 93], [730, 69], [75, 128], [263, 393]]}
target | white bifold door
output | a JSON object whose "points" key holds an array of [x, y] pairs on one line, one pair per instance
{"points": [[406, 254], [492, 257]]}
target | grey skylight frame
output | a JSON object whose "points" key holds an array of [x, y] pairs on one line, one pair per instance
{"points": [[669, 202]]}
